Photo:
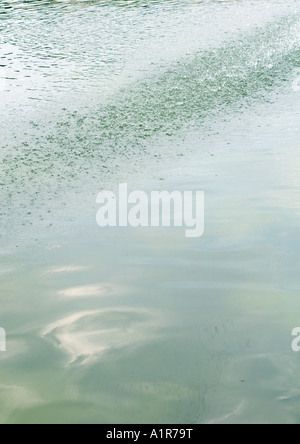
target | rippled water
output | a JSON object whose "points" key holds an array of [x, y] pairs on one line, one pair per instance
{"points": [[144, 325]]}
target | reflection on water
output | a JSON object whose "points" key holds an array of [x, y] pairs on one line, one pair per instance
{"points": [[13, 397], [143, 326], [89, 334], [88, 290]]}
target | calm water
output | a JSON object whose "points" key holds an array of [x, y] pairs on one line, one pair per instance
{"points": [[146, 326]]}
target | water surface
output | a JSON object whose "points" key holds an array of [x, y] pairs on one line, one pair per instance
{"points": [[146, 326]]}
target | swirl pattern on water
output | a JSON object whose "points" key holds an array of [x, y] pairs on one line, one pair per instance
{"points": [[87, 335]]}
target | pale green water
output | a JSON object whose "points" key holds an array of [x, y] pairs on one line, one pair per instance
{"points": [[145, 326]]}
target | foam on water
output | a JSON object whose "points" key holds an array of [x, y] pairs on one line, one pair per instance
{"points": [[93, 107]]}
